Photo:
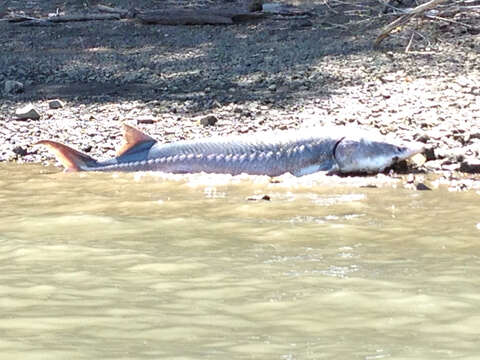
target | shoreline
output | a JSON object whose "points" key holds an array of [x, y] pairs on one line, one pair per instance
{"points": [[170, 80]]}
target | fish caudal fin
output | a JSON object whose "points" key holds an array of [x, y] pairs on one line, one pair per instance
{"points": [[71, 159]]}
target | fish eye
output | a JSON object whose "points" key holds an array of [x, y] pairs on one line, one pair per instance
{"points": [[399, 149]]}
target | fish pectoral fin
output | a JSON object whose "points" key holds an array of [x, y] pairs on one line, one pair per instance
{"points": [[71, 159], [327, 166], [132, 137], [307, 170]]}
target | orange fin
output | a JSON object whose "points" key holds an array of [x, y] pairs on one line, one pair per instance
{"points": [[132, 137], [71, 159]]}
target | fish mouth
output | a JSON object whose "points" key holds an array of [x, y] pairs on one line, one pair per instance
{"points": [[403, 162]]}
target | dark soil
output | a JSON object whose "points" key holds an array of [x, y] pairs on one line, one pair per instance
{"points": [[277, 72]]}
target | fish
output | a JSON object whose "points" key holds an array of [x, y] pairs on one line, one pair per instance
{"points": [[337, 150]]}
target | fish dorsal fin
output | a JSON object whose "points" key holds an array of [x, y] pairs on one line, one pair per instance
{"points": [[132, 137]]}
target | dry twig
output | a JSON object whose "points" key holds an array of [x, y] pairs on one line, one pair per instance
{"points": [[62, 18], [86, 17], [419, 10]]}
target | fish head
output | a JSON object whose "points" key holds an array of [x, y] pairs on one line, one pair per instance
{"points": [[365, 155]]}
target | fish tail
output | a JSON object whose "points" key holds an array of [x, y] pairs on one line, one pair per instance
{"points": [[71, 159]]}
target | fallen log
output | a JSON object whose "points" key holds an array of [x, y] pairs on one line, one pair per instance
{"points": [[183, 17], [247, 10], [217, 16]]}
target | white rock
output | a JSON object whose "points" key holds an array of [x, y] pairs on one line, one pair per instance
{"points": [[27, 112]]}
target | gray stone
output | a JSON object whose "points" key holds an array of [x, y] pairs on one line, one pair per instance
{"points": [[208, 120], [422, 187], [13, 87], [55, 104], [20, 151], [27, 112], [429, 153], [471, 166], [259, 197]]}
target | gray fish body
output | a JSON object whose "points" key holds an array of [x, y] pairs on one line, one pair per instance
{"points": [[302, 152], [271, 154], [298, 152]]}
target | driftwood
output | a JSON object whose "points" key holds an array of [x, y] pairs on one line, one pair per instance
{"points": [[62, 18], [196, 17], [183, 17], [254, 9], [86, 17], [213, 16], [417, 11], [245, 11], [114, 10]]}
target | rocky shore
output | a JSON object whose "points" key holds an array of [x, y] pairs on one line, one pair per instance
{"points": [[185, 82]]}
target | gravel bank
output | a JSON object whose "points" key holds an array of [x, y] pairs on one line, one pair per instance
{"points": [[273, 73]]}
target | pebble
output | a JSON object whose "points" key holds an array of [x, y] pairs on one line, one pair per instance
{"points": [[55, 104], [146, 120], [20, 150], [433, 165], [429, 154], [422, 186], [27, 112], [208, 120], [418, 160], [259, 197], [471, 166], [451, 166]]}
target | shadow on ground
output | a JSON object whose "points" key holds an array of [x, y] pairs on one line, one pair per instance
{"points": [[275, 60]]}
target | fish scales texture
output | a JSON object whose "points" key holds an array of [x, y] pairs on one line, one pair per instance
{"points": [[301, 152], [270, 155]]}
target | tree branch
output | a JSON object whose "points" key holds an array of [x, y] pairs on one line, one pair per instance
{"points": [[419, 10]]}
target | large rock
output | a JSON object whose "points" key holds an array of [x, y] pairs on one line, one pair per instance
{"points": [[27, 112], [13, 87]]}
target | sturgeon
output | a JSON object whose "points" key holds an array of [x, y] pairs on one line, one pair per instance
{"points": [[301, 152]]}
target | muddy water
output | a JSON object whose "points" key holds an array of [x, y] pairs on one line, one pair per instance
{"points": [[100, 266]]}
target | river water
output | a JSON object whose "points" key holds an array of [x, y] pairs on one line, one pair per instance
{"points": [[125, 266]]}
